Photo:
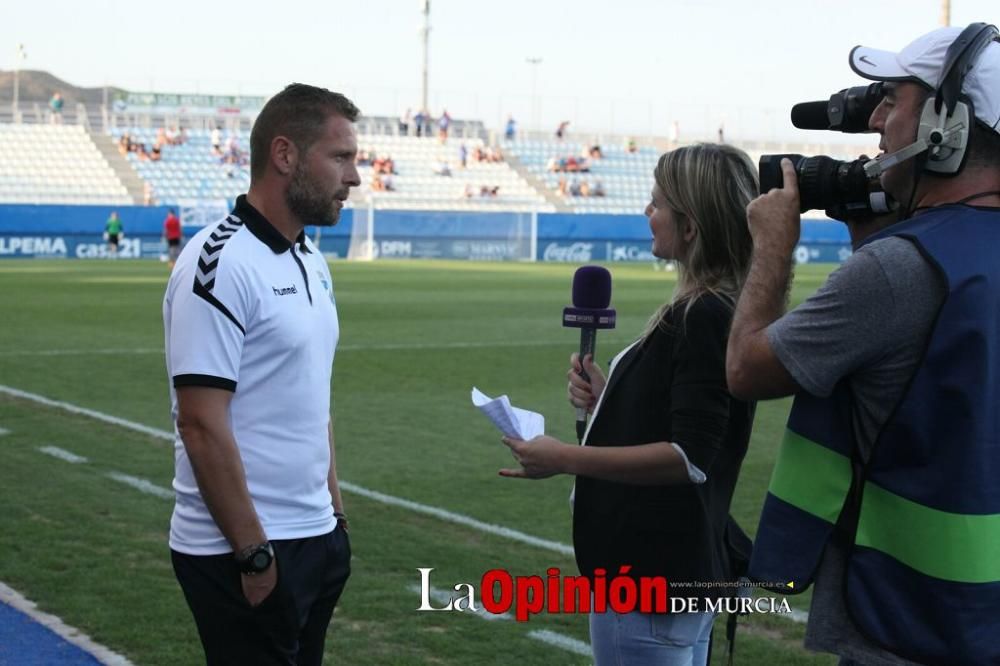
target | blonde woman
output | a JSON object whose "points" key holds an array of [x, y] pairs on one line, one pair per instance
{"points": [[655, 477]]}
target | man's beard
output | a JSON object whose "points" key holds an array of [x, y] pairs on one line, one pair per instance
{"points": [[307, 201]]}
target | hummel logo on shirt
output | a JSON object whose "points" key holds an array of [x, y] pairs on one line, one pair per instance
{"points": [[284, 291]]}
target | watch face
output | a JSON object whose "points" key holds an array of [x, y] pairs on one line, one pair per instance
{"points": [[260, 560]]}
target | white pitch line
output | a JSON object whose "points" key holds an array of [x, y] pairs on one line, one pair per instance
{"points": [[62, 454], [418, 346], [83, 411], [456, 518], [141, 485], [13, 598], [560, 641], [443, 597], [796, 615], [459, 519], [552, 638], [443, 514], [4, 431]]}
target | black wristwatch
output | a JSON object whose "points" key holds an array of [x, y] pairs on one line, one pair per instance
{"points": [[255, 559]]}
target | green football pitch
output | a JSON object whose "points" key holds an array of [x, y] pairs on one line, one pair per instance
{"points": [[420, 461]]}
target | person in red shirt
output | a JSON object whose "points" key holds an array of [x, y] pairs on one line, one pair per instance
{"points": [[173, 235]]}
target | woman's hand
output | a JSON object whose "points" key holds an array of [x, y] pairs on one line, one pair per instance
{"points": [[539, 458], [581, 393]]}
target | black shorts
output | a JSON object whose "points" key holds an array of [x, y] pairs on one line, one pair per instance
{"points": [[113, 239], [173, 242]]}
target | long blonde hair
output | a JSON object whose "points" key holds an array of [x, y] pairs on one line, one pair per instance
{"points": [[709, 186]]}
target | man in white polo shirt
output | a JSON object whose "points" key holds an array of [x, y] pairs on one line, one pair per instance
{"points": [[258, 536]]}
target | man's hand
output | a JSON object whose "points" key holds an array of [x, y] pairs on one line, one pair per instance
{"points": [[256, 588], [773, 218]]}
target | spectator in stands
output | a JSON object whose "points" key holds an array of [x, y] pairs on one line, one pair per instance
{"points": [[561, 130], [172, 236], [478, 155], [493, 155], [216, 140], [161, 138], [631, 147], [156, 153], [114, 231], [444, 123], [467, 191], [489, 191], [233, 154], [575, 189], [563, 186], [595, 152], [172, 136], [124, 144], [404, 123], [382, 183], [56, 108], [419, 120], [722, 133], [584, 189], [442, 168], [598, 189], [463, 155], [510, 129]]}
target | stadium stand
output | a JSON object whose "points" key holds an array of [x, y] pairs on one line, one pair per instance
{"points": [[55, 164], [624, 177], [190, 171], [417, 186]]}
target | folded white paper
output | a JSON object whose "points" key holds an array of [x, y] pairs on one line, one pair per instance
{"points": [[512, 421]]}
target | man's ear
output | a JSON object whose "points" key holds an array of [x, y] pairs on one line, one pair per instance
{"points": [[284, 155]]}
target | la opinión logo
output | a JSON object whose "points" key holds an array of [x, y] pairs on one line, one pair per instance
{"points": [[499, 591]]}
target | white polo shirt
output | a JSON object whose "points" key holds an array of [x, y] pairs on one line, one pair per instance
{"points": [[247, 311]]}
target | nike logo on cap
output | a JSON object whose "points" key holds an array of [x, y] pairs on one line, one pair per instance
{"points": [[865, 60]]}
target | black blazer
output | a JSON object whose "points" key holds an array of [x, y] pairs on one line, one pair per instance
{"points": [[670, 387]]}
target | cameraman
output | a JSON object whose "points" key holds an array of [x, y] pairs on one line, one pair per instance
{"points": [[884, 493]]}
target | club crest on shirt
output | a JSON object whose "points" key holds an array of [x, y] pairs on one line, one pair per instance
{"points": [[326, 283]]}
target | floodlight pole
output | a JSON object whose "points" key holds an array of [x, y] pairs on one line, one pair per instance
{"points": [[19, 56], [945, 13], [534, 62], [425, 34]]}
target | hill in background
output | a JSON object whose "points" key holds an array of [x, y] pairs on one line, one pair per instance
{"points": [[38, 86]]}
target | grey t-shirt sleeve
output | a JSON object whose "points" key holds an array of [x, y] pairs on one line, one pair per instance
{"points": [[880, 299]]}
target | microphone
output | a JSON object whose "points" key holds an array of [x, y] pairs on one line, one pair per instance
{"points": [[811, 116], [589, 312], [846, 111]]}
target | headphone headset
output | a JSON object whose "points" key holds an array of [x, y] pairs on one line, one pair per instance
{"points": [[947, 118]]}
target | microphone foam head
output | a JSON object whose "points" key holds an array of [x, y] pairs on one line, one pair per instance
{"points": [[592, 288], [811, 116]]}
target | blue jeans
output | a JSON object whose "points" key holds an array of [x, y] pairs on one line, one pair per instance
{"points": [[637, 639]]}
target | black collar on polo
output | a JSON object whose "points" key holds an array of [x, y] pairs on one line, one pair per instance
{"points": [[264, 230]]}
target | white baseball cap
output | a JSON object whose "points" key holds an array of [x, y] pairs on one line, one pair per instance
{"points": [[922, 61]]}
